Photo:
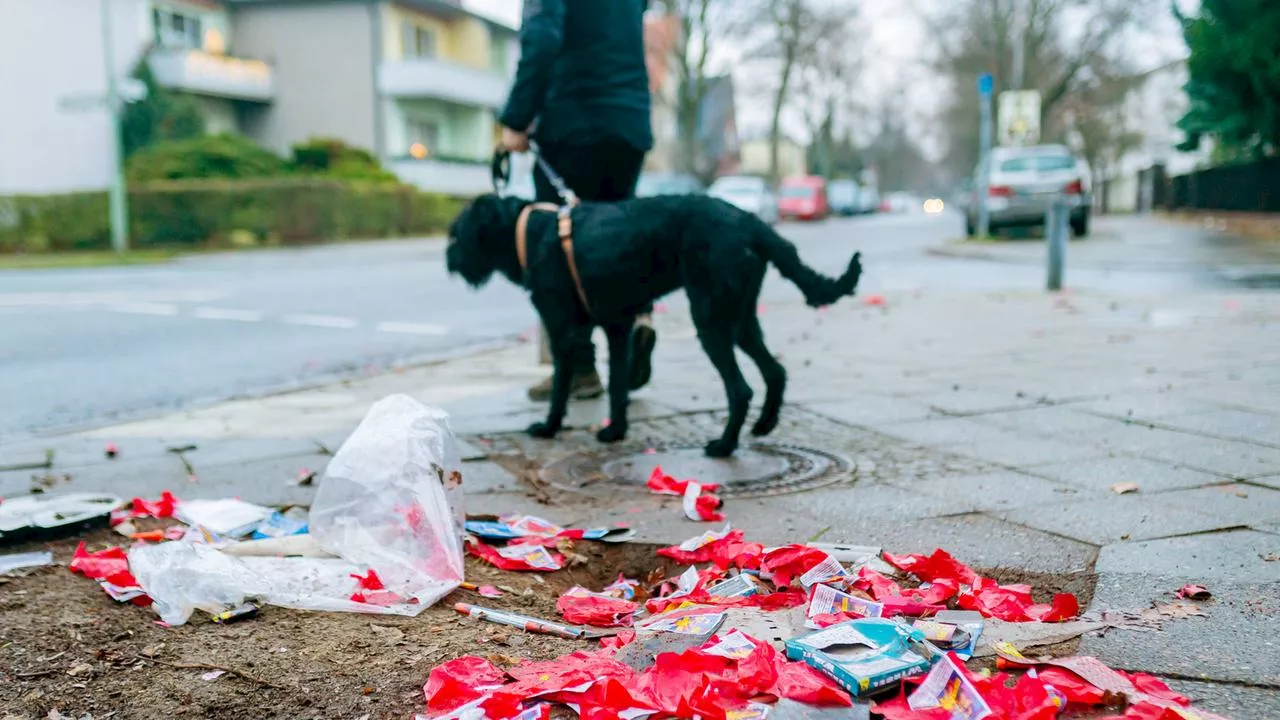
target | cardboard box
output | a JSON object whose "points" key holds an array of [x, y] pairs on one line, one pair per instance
{"points": [[864, 656]]}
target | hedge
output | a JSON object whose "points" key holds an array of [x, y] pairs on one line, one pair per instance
{"points": [[223, 213]]}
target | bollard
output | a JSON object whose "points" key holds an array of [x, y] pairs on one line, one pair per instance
{"points": [[1057, 220]]}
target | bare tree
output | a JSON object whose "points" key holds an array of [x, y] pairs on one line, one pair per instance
{"points": [[825, 80], [702, 26], [1071, 49]]}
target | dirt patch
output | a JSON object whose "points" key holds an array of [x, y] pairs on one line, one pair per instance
{"points": [[65, 645]]}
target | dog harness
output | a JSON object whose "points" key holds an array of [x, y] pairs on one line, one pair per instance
{"points": [[564, 224]]}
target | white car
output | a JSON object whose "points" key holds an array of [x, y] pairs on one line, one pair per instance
{"points": [[748, 192]]}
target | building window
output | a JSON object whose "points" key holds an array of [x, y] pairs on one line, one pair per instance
{"points": [[419, 42], [424, 139], [176, 30]]}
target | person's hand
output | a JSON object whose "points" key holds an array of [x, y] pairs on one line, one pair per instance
{"points": [[515, 141]]}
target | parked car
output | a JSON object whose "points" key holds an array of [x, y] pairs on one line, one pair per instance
{"points": [[651, 184], [1024, 180], [748, 192], [843, 196], [803, 198], [868, 199]]}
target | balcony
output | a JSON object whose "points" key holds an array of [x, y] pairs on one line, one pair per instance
{"points": [[202, 73], [442, 80]]}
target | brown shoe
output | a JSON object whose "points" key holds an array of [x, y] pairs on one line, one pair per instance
{"points": [[585, 386]]}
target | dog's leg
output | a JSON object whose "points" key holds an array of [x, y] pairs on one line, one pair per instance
{"points": [[561, 337], [717, 341], [619, 382], [751, 340]]}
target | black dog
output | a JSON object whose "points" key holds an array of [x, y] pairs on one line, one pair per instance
{"points": [[627, 255]]}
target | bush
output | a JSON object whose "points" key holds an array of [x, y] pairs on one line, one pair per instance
{"points": [[208, 157], [334, 158], [214, 213]]}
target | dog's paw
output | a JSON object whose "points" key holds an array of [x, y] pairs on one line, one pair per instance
{"points": [[542, 430], [613, 433], [720, 448], [764, 425]]}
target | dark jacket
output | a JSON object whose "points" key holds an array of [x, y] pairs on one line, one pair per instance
{"points": [[582, 74]]}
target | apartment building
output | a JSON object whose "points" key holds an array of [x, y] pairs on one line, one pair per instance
{"points": [[416, 81]]}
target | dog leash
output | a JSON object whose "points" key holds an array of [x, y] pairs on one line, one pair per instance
{"points": [[500, 170]]}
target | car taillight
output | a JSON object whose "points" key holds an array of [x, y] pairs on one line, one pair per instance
{"points": [[1000, 191], [1074, 188]]}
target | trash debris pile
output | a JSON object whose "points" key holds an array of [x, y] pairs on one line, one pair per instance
{"points": [[383, 535], [816, 630]]}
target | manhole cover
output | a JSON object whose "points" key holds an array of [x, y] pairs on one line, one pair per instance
{"points": [[756, 470]]}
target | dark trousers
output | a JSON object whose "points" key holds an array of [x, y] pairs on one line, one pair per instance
{"points": [[602, 172]]}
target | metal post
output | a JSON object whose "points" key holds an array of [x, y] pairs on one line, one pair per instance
{"points": [[984, 164], [1056, 226], [116, 195]]}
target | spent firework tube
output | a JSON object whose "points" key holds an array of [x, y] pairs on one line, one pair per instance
{"points": [[524, 622]]}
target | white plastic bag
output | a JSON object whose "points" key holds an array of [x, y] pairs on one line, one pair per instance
{"points": [[391, 499]]}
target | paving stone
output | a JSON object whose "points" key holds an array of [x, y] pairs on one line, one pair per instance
{"points": [[874, 410], [1102, 522], [1235, 643], [966, 401], [1050, 422], [1233, 555], [1237, 702], [945, 432], [125, 478], [1102, 473], [482, 477], [1237, 504], [1015, 450], [834, 505], [1272, 481], [1148, 406], [73, 451], [1241, 424], [266, 482], [1223, 457], [995, 491]]}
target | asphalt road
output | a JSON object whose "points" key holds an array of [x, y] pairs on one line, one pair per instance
{"points": [[81, 347]]}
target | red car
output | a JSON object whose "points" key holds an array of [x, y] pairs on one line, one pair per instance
{"points": [[803, 198]]}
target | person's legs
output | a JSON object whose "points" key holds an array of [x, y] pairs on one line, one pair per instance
{"points": [[582, 170], [622, 164]]}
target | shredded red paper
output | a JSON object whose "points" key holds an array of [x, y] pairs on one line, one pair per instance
{"points": [[947, 576], [663, 484], [491, 555], [111, 565], [790, 561], [161, 508], [460, 681], [583, 607]]}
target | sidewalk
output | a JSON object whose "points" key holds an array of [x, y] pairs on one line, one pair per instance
{"points": [[993, 425], [1120, 242]]}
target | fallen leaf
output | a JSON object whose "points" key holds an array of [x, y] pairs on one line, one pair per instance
{"points": [[80, 669], [1125, 488], [1179, 611], [1194, 592], [1271, 557]]}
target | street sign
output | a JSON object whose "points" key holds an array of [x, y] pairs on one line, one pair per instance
{"points": [[986, 83], [1018, 120]]}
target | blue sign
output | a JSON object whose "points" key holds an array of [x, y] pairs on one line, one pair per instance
{"points": [[986, 84]]}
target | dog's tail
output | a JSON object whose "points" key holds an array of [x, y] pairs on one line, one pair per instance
{"points": [[818, 289]]}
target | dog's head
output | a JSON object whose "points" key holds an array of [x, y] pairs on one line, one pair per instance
{"points": [[482, 239]]}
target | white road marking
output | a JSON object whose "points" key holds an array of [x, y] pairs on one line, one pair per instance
{"points": [[327, 321], [140, 308], [408, 328], [212, 313]]}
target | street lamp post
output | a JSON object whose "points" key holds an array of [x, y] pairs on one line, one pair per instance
{"points": [[116, 196]]}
